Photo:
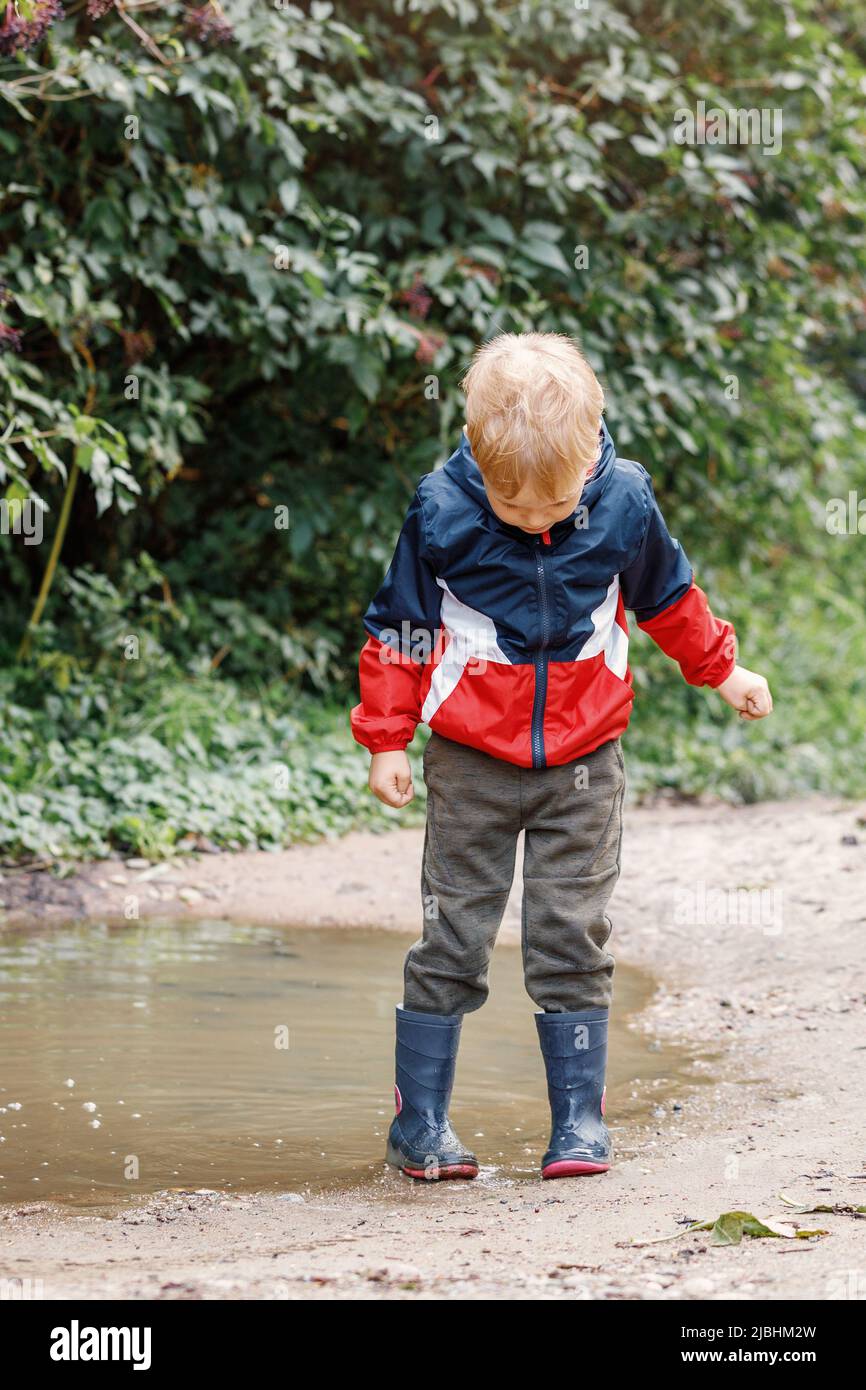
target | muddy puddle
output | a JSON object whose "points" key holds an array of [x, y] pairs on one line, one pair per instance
{"points": [[211, 1055]]}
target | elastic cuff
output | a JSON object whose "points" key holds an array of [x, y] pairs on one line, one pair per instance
{"points": [[719, 680]]}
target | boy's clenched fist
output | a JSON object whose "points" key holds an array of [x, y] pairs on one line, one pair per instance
{"points": [[748, 693], [391, 778]]}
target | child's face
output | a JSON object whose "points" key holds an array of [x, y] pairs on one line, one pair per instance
{"points": [[532, 513]]}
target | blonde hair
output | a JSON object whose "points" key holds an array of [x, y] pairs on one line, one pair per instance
{"points": [[533, 410]]}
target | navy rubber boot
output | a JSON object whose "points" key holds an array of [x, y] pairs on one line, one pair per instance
{"points": [[421, 1141], [574, 1047]]}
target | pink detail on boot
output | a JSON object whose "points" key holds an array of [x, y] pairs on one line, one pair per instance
{"points": [[398, 1100], [572, 1168], [454, 1170], [603, 1094]]}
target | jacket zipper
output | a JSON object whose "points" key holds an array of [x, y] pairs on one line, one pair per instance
{"points": [[538, 755]]}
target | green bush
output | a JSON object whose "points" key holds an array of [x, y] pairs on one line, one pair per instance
{"points": [[192, 758], [248, 265]]}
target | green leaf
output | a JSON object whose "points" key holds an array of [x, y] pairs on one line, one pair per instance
{"points": [[546, 254]]}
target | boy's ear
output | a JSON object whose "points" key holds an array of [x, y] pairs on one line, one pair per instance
{"points": [[591, 469]]}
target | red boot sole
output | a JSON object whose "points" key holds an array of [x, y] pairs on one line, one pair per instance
{"points": [[454, 1170], [572, 1168]]}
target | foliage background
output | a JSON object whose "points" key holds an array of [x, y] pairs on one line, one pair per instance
{"points": [[284, 246]]}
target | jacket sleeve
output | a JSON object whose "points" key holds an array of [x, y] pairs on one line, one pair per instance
{"points": [[659, 587], [403, 625]]}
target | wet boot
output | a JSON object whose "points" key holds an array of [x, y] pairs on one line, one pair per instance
{"points": [[574, 1047], [421, 1141]]}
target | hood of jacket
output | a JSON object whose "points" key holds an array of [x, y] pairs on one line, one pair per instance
{"points": [[463, 469]]}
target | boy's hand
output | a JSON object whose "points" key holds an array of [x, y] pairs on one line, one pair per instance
{"points": [[391, 778], [748, 693]]}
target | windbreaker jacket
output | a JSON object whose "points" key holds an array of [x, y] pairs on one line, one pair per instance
{"points": [[518, 644]]}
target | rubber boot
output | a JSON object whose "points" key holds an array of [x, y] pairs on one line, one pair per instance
{"points": [[574, 1047], [421, 1141]]}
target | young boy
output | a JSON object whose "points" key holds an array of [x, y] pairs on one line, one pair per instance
{"points": [[501, 624]]}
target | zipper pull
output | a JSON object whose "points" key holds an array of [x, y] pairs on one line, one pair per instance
{"points": [[545, 536]]}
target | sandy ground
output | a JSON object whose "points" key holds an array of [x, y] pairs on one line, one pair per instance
{"points": [[753, 920]]}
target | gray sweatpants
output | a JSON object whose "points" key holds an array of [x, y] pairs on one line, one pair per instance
{"points": [[476, 807]]}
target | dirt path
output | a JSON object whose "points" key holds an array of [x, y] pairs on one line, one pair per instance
{"points": [[754, 919]]}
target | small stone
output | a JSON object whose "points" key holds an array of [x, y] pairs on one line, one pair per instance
{"points": [[697, 1286]]}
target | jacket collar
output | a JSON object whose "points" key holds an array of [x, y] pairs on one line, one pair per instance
{"points": [[464, 470]]}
